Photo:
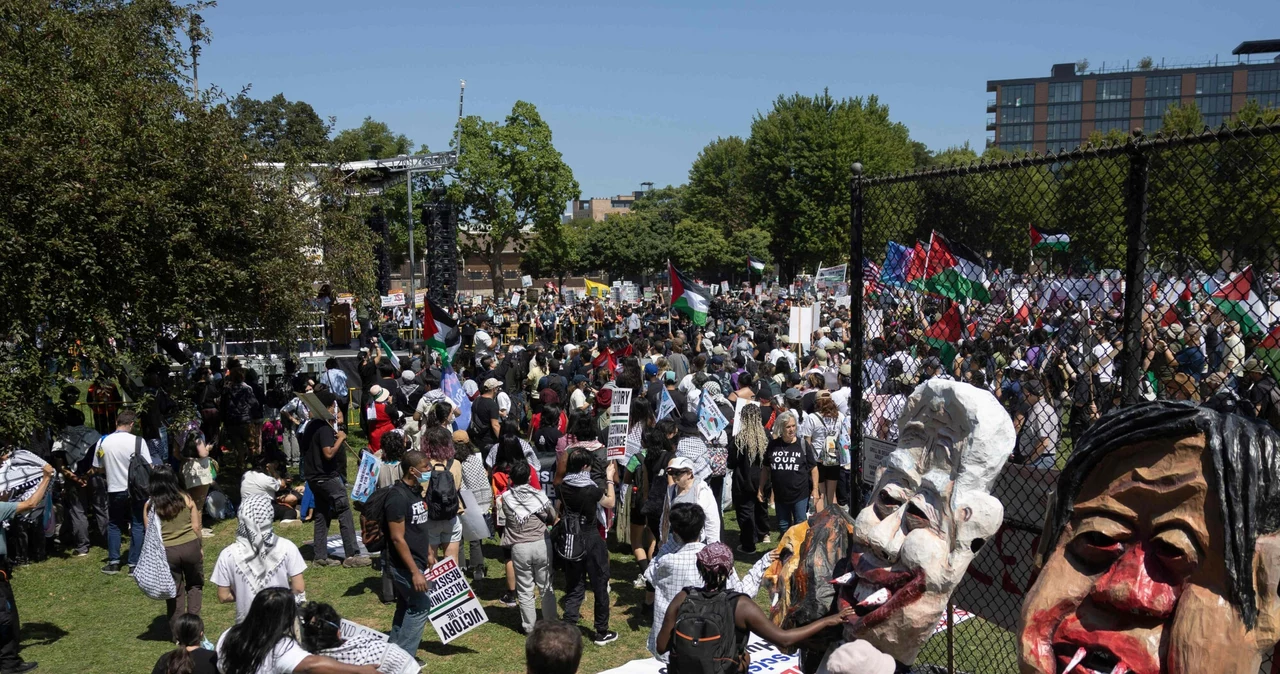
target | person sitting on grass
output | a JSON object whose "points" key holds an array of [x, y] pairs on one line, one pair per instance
{"points": [[715, 565], [265, 642], [190, 657], [553, 647], [322, 635], [258, 559]]}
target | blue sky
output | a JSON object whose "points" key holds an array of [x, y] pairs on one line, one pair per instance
{"points": [[633, 91]]}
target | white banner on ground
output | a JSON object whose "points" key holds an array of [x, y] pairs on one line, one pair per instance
{"points": [[619, 423], [454, 608], [350, 630], [765, 659]]}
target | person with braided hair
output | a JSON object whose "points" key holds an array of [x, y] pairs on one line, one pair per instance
{"points": [[746, 459]]}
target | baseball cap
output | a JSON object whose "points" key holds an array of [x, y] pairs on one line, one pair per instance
{"points": [[845, 369], [650, 370], [793, 394], [491, 384], [820, 355], [680, 463], [1020, 365], [669, 376], [407, 375], [1254, 365], [580, 379]]}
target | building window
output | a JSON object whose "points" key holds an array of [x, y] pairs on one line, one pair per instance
{"points": [[1018, 95], [1016, 147], [1110, 124], [475, 275], [1015, 133], [1061, 132], [1211, 105], [1114, 90], [1271, 100], [1157, 107], [1213, 83], [1111, 110], [1065, 92], [1064, 113], [1264, 80], [1164, 87], [1016, 115], [1152, 124]]}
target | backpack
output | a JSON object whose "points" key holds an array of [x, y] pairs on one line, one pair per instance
{"points": [[566, 538], [372, 512], [240, 404], [442, 495], [139, 475], [705, 638]]}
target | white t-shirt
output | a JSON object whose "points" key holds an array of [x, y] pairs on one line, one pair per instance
{"points": [[841, 399], [258, 484], [113, 454], [283, 658], [226, 574]]}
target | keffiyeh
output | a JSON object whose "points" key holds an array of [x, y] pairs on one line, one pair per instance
{"points": [[257, 556], [522, 501]]}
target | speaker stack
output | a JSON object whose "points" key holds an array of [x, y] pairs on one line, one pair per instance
{"points": [[442, 251]]}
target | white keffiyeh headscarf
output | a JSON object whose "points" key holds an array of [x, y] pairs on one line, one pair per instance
{"points": [[257, 556]]}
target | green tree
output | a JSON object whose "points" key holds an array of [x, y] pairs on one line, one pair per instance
{"points": [[371, 140], [510, 182], [717, 191], [799, 158], [754, 242], [277, 128], [956, 155], [130, 209], [699, 246], [555, 252], [630, 244]]}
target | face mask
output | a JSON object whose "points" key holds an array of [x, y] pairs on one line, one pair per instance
{"points": [[424, 478]]}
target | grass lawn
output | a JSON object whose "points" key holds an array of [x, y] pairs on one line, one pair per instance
{"points": [[76, 619]]}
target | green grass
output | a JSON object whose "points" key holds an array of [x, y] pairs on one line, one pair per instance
{"points": [[76, 619]]}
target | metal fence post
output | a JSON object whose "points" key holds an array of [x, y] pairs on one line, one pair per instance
{"points": [[857, 337], [1135, 269]]}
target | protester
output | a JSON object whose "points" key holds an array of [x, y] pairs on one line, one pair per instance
{"points": [[321, 633], [527, 513], [112, 457], [746, 462], [265, 642], [444, 479], [553, 648], [325, 466], [791, 471], [409, 551], [190, 657], [822, 431], [687, 488], [10, 661], [475, 479], [585, 500], [73, 456], [180, 532], [258, 559]]}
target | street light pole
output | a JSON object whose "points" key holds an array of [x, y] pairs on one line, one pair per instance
{"points": [[413, 265]]}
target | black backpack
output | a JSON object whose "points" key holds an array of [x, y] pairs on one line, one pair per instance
{"points": [[139, 475], [240, 404], [442, 494], [566, 537], [372, 514], [705, 639]]}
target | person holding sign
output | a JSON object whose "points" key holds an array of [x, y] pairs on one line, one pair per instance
{"points": [[407, 527]]}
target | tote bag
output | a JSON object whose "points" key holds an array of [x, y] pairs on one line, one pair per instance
{"points": [[152, 571]]}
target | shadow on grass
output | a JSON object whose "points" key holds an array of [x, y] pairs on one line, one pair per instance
{"points": [[41, 634], [369, 585], [158, 630], [437, 648]]}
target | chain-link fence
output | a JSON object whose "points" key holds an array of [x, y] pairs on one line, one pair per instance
{"points": [[1066, 285]]}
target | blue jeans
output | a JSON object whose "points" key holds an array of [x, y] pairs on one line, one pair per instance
{"points": [[411, 611], [122, 512], [791, 514]]}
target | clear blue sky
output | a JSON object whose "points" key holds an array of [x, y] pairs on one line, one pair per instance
{"points": [[633, 91]]}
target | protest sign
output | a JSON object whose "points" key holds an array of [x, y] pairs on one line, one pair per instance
{"points": [[344, 298], [454, 609], [828, 277], [419, 298], [350, 630], [619, 423], [393, 300], [526, 281], [366, 477], [315, 407], [474, 528], [711, 420], [665, 405]]}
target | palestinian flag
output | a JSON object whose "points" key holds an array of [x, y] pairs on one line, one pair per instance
{"points": [[1045, 240], [688, 297], [440, 331], [1268, 352], [1238, 300], [755, 265], [388, 353], [954, 271], [1184, 303], [915, 269], [945, 333]]}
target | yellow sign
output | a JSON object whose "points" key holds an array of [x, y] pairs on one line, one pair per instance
{"points": [[596, 289]]}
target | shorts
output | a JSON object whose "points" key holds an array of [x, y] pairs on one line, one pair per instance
{"points": [[444, 532], [638, 518], [828, 473]]}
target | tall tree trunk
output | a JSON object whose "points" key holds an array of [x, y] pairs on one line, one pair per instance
{"points": [[495, 270]]}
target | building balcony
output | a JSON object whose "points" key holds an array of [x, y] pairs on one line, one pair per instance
{"points": [[991, 105], [991, 122]]}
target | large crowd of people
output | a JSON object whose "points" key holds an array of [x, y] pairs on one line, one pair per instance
{"points": [[526, 437]]}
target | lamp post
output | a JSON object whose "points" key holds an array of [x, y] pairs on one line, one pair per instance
{"points": [[413, 264]]}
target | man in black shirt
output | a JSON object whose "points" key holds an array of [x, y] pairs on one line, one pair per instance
{"points": [[581, 498], [407, 529], [486, 421], [324, 464]]}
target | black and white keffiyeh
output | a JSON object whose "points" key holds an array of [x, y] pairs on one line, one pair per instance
{"points": [[256, 554], [368, 650]]}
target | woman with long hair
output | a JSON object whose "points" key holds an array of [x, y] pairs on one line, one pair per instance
{"points": [[321, 631], [190, 657], [198, 470], [180, 531], [746, 459], [266, 642], [823, 430]]}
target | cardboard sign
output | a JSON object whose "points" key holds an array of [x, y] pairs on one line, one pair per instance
{"points": [[828, 277], [350, 630], [711, 420], [619, 423], [526, 281], [454, 608], [366, 477], [874, 452], [315, 407]]}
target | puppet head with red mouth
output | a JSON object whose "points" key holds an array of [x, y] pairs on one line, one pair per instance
{"points": [[930, 513], [1160, 551]]}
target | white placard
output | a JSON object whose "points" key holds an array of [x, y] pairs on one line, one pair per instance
{"points": [[619, 423], [526, 281], [454, 608], [350, 630]]}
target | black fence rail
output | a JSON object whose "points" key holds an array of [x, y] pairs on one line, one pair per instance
{"points": [[1067, 285]]}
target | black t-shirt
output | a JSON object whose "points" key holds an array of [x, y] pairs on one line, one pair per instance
{"points": [[547, 436], [483, 412], [404, 505], [320, 435], [206, 662], [583, 502], [790, 468]]}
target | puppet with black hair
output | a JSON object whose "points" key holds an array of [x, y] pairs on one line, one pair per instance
{"points": [[1161, 549]]}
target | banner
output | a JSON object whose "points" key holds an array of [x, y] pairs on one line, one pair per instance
{"points": [[350, 630], [596, 289], [393, 300], [619, 423], [454, 608], [366, 477], [828, 277]]}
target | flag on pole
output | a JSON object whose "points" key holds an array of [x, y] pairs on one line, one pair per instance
{"points": [[688, 297], [1239, 302], [1269, 352], [915, 270], [387, 352], [954, 271], [871, 286], [665, 405], [453, 391], [440, 330], [755, 265], [897, 258], [1046, 240], [944, 334]]}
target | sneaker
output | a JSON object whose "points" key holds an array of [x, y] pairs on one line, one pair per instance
{"points": [[24, 667], [206, 533], [357, 561], [477, 574], [327, 561], [638, 583], [80, 553], [507, 599], [602, 638], [111, 569]]}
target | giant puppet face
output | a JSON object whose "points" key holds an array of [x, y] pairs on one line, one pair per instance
{"points": [[930, 513], [1150, 568]]}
